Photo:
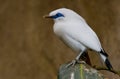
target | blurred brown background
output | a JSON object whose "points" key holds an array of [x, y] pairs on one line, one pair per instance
{"points": [[30, 50]]}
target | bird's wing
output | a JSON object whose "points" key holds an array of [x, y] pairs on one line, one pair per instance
{"points": [[84, 34]]}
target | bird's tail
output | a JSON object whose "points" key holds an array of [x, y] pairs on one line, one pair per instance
{"points": [[104, 57]]}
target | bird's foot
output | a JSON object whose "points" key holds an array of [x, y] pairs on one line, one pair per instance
{"points": [[73, 62]]}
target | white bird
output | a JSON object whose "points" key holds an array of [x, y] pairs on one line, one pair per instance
{"points": [[73, 30]]}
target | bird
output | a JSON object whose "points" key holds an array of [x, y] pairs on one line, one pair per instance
{"points": [[74, 31]]}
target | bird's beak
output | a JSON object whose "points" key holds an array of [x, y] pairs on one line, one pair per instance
{"points": [[47, 16]]}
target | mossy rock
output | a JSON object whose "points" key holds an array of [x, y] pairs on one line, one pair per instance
{"points": [[79, 71]]}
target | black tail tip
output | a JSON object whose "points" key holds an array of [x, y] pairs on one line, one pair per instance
{"points": [[109, 66]]}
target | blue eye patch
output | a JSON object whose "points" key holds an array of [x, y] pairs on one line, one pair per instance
{"points": [[57, 15]]}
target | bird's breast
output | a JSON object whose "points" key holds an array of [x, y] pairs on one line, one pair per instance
{"points": [[59, 29]]}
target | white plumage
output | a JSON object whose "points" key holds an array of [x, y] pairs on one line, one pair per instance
{"points": [[73, 30]]}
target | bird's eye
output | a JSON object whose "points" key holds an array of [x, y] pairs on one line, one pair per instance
{"points": [[57, 15]]}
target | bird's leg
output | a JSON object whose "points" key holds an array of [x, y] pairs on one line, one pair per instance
{"points": [[76, 60], [78, 56]]}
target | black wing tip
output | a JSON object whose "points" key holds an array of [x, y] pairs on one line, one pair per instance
{"points": [[109, 66], [104, 53]]}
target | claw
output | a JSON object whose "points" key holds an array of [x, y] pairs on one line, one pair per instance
{"points": [[74, 62], [71, 63]]}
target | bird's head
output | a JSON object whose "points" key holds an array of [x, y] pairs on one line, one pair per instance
{"points": [[62, 14]]}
